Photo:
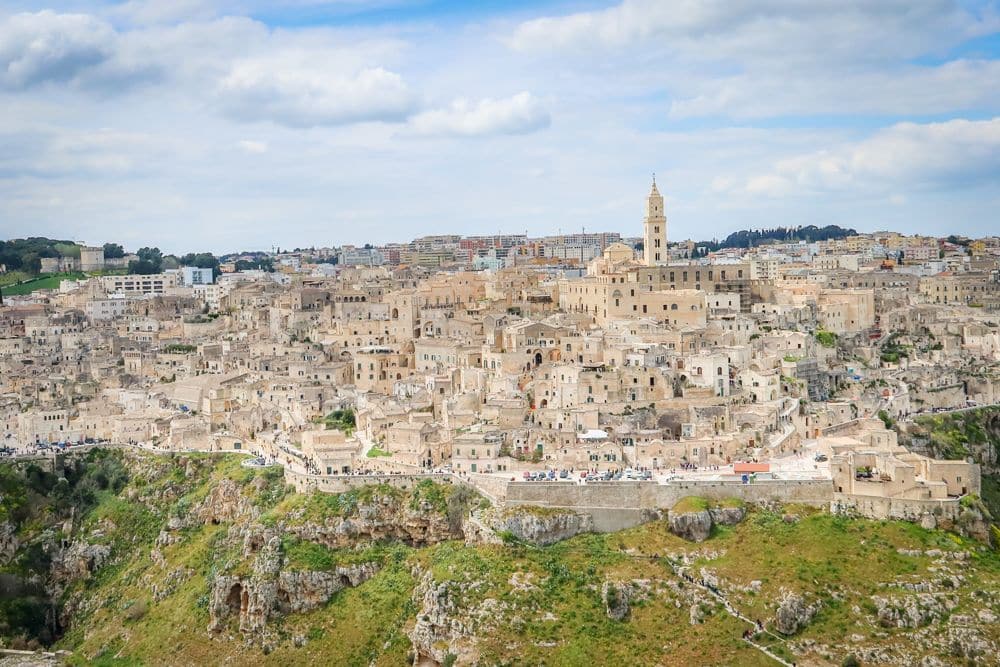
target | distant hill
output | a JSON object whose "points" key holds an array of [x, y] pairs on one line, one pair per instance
{"points": [[751, 238]]}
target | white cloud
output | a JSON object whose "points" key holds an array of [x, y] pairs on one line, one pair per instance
{"points": [[306, 91], [847, 29], [905, 156], [519, 114], [49, 47], [960, 84], [78, 49], [251, 147], [49, 153], [767, 58]]}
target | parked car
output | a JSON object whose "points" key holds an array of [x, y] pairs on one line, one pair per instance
{"points": [[563, 474]]}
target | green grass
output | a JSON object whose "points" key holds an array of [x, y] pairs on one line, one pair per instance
{"points": [[376, 452], [48, 281], [12, 277], [690, 504]]}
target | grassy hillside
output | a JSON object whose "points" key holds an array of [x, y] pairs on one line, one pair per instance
{"points": [[491, 603], [48, 281]]}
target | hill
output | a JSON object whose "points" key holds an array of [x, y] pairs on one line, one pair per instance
{"points": [[192, 559], [751, 238]]}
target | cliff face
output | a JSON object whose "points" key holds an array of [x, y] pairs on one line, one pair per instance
{"points": [[255, 551], [958, 435], [535, 525]]}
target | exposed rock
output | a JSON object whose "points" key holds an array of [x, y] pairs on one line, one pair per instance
{"points": [[78, 561], [384, 518], [974, 522], [692, 526], [226, 503], [477, 532], [790, 518], [696, 614], [438, 632], [537, 526], [793, 613], [8, 542], [969, 643], [727, 516], [253, 599], [928, 521], [170, 583], [911, 611], [617, 597]]}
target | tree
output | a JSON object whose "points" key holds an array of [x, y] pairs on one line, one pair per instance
{"points": [[150, 261], [143, 267], [113, 251]]}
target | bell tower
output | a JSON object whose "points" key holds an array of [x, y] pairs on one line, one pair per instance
{"points": [[654, 229]]}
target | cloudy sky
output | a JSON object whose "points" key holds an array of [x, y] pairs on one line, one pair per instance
{"points": [[242, 124]]}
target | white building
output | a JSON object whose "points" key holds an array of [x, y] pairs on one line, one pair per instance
{"points": [[192, 275]]}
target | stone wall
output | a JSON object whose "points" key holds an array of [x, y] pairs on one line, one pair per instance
{"points": [[618, 505], [908, 509]]}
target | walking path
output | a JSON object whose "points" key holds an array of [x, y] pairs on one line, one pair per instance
{"points": [[717, 594]]}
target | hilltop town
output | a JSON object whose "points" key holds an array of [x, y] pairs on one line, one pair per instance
{"points": [[371, 406], [532, 367]]}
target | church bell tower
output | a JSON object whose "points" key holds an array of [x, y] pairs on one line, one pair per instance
{"points": [[655, 229]]}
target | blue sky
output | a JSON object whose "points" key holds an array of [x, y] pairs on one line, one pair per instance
{"points": [[238, 124]]}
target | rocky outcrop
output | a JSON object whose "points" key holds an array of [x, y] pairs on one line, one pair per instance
{"points": [[383, 518], [254, 599], [793, 613], [8, 542], [226, 503], [77, 561], [535, 525], [692, 526], [440, 630], [727, 516], [692, 518], [617, 597], [912, 611]]}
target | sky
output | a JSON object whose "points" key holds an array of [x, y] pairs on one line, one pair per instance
{"points": [[228, 125]]}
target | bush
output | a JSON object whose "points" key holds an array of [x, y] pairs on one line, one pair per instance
{"points": [[826, 338]]}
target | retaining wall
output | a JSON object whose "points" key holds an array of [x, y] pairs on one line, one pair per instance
{"points": [[618, 505], [907, 509]]}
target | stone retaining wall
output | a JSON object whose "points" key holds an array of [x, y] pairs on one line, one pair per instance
{"points": [[907, 509], [618, 505]]}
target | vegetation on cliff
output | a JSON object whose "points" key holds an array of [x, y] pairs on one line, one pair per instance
{"points": [[959, 435], [161, 549]]}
